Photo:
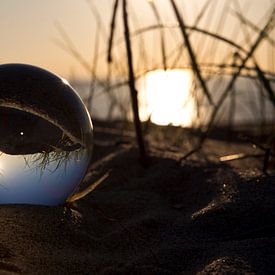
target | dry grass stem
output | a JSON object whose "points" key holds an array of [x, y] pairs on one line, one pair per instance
{"points": [[195, 66], [133, 91]]}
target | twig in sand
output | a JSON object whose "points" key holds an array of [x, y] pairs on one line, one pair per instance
{"points": [[87, 190], [239, 157], [193, 151]]}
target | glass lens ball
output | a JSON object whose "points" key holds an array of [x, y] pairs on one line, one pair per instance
{"points": [[46, 137]]}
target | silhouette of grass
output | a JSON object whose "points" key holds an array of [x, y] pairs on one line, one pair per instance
{"points": [[238, 59]]}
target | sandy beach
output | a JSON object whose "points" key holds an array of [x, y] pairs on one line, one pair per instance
{"points": [[198, 216]]}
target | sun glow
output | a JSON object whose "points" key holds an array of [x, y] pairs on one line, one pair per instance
{"points": [[165, 97]]}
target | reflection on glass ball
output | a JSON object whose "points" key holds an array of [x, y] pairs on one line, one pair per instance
{"points": [[46, 137]]}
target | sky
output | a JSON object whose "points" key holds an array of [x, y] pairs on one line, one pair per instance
{"points": [[28, 28]]}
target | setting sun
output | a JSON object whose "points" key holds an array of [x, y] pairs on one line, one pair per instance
{"points": [[165, 97]]}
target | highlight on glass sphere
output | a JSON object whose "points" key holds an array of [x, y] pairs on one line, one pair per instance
{"points": [[46, 137]]}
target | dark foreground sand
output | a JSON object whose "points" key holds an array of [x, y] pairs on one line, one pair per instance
{"points": [[198, 217]]}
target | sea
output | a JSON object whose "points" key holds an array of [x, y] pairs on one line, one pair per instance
{"points": [[247, 103]]}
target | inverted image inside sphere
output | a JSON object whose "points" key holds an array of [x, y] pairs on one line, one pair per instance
{"points": [[46, 136]]}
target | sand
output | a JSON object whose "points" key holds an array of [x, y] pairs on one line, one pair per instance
{"points": [[198, 216]]}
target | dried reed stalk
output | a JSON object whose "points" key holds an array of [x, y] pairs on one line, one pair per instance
{"points": [[195, 66], [261, 76], [133, 91], [196, 23], [68, 46], [266, 83], [142, 45], [112, 30], [254, 27], [266, 29], [93, 71], [162, 34]]}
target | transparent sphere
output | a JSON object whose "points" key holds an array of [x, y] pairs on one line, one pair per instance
{"points": [[46, 137]]}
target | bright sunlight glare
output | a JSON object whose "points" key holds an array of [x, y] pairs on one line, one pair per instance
{"points": [[165, 97]]}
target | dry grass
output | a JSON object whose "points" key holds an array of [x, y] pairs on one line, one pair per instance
{"points": [[239, 59]]}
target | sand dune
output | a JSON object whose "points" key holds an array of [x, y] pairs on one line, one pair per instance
{"points": [[197, 217]]}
